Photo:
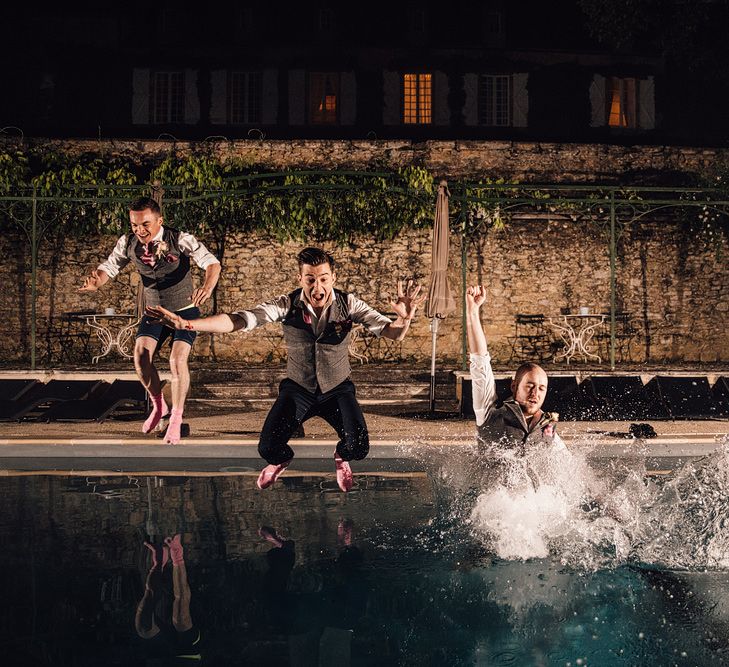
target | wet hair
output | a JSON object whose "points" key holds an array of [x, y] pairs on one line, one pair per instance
{"points": [[523, 370], [315, 257], [144, 203]]}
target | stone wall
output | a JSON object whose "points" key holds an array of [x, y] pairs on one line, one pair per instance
{"points": [[676, 290]]}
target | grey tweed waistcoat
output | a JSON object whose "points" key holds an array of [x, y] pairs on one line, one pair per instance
{"points": [[313, 360]]}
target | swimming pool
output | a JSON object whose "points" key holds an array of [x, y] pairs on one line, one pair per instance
{"points": [[395, 573]]}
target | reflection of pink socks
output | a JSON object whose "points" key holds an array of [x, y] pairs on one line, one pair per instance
{"points": [[177, 553], [172, 436], [159, 410]]}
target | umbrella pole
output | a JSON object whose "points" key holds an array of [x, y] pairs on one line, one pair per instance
{"points": [[434, 335]]}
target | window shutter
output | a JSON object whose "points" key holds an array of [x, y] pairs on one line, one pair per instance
{"points": [[192, 100], [219, 97], [269, 110], [647, 104], [391, 112], [470, 108], [297, 97], [140, 96], [597, 101], [520, 98], [348, 95], [441, 112]]}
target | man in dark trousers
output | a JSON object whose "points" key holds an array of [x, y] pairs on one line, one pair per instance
{"points": [[317, 322], [162, 256]]}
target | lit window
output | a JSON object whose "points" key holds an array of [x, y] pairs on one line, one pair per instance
{"points": [[168, 97], [494, 100], [323, 97], [418, 98], [246, 97], [621, 100]]}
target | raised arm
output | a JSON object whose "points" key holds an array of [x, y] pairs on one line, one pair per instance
{"points": [[475, 297], [405, 308]]}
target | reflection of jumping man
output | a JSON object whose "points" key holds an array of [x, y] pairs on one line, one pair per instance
{"points": [[317, 321], [169, 632], [162, 258]]}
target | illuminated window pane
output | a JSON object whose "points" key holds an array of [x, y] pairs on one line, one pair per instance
{"points": [[168, 97], [494, 100], [246, 97], [323, 97], [621, 100], [418, 99]]}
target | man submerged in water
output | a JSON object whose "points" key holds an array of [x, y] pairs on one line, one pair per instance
{"points": [[520, 421]]}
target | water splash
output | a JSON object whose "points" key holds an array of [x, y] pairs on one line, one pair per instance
{"points": [[585, 511]]}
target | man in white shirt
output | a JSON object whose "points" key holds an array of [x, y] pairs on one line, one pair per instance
{"points": [[520, 421], [162, 256], [317, 320]]}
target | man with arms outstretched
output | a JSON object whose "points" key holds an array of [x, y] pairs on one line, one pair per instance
{"points": [[317, 321], [162, 256]]}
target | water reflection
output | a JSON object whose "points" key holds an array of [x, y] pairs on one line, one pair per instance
{"points": [[163, 620], [392, 575]]}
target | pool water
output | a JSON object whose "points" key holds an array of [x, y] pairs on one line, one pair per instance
{"points": [[395, 573]]}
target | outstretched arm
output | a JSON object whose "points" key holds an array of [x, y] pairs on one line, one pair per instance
{"points": [[405, 308], [475, 298], [223, 323]]}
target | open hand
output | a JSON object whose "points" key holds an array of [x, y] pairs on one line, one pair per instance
{"points": [[407, 300], [163, 316], [92, 282], [201, 295]]}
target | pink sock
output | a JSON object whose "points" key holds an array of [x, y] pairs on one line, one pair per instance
{"points": [[172, 437], [159, 410]]}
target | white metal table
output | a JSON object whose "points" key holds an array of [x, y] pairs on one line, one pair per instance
{"points": [[576, 332], [114, 331]]}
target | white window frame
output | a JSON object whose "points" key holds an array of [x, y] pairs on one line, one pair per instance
{"points": [[245, 106], [174, 97], [490, 108]]}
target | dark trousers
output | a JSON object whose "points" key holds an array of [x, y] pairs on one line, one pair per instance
{"points": [[295, 405]]}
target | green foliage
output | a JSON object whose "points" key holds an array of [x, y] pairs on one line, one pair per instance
{"points": [[705, 221], [14, 170]]}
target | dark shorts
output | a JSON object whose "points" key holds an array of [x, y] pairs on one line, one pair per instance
{"points": [[161, 333]]}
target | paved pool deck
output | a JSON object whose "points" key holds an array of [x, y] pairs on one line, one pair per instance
{"points": [[225, 439]]}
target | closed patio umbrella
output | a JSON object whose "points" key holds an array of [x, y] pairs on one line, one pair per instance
{"points": [[440, 300]]}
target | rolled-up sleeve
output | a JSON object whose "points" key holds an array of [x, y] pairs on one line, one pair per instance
{"points": [[483, 386], [117, 260], [368, 317], [196, 251], [273, 310]]}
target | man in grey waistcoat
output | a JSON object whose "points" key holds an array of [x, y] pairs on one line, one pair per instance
{"points": [[162, 256], [317, 322], [520, 421]]}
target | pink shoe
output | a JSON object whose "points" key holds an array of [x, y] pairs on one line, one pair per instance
{"points": [[270, 474], [159, 410], [344, 473]]}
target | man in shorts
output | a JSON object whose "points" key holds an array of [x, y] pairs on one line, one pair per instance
{"points": [[162, 256]]}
